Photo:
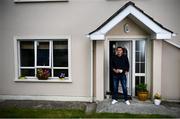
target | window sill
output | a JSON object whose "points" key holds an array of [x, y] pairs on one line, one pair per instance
{"points": [[50, 80], [35, 1]]}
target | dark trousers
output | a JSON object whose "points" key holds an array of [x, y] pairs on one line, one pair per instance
{"points": [[123, 80]]}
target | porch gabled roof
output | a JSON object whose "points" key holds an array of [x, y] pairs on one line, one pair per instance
{"points": [[159, 31]]}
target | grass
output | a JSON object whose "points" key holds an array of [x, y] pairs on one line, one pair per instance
{"points": [[39, 113], [66, 113]]}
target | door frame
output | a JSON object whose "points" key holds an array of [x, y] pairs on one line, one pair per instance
{"points": [[107, 65]]}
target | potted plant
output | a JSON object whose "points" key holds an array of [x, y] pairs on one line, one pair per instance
{"points": [[61, 76], [142, 92], [21, 77], [157, 99], [43, 74]]}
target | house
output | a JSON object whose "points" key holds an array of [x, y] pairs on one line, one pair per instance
{"points": [[77, 38]]}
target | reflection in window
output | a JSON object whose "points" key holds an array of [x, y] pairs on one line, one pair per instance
{"points": [[140, 79], [43, 53], [140, 56], [140, 45], [27, 53], [140, 63], [60, 53], [140, 67], [27, 72]]}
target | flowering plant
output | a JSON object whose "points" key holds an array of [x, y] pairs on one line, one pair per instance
{"points": [[43, 73], [61, 75], [157, 96]]}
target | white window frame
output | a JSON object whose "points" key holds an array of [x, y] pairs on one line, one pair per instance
{"points": [[35, 39], [50, 52], [140, 74]]}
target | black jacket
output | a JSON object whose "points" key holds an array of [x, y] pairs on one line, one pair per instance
{"points": [[120, 63]]}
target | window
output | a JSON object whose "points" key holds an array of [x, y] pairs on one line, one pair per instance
{"points": [[140, 62], [140, 57], [53, 55]]}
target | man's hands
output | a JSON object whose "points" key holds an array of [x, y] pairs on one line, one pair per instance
{"points": [[117, 71]]}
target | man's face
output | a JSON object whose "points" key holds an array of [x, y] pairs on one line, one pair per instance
{"points": [[119, 51]]}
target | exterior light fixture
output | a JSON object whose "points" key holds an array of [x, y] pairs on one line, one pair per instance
{"points": [[126, 28]]}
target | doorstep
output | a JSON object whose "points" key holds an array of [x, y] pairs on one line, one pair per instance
{"points": [[137, 107]]}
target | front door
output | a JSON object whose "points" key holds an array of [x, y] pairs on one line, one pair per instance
{"points": [[127, 45]]}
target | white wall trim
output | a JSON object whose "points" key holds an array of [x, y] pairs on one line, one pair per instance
{"points": [[97, 37], [160, 33], [157, 66], [43, 37], [112, 37], [171, 100], [100, 70], [16, 60], [23, 1], [48, 98], [92, 67], [133, 66], [172, 43], [35, 80]]}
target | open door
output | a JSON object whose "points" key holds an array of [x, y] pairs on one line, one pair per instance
{"points": [[127, 45]]}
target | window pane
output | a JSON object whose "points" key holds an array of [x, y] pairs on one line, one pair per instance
{"points": [[142, 66], [27, 72], [137, 68], [142, 79], [140, 45], [43, 53], [142, 56], [57, 72], [27, 53], [137, 45], [138, 80], [137, 56], [60, 53]]}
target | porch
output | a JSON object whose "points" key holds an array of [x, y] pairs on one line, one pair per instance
{"points": [[127, 28]]}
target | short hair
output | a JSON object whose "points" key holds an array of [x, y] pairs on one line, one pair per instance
{"points": [[121, 48]]}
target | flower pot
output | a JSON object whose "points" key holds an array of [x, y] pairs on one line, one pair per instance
{"points": [[61, 78], [42, 78], [143, 96], [157, 101]]}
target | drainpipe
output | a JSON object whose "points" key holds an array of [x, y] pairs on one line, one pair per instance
{"points": [[92, 86]]}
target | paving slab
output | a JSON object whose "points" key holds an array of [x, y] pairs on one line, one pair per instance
{"points": [[36, 104], [90, 108], [139, 107]]}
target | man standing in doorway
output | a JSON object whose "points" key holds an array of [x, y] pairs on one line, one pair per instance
{"points": [[120, 66]]}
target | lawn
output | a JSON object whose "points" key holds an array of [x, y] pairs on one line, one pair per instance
{"points": [[65, 113]]}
